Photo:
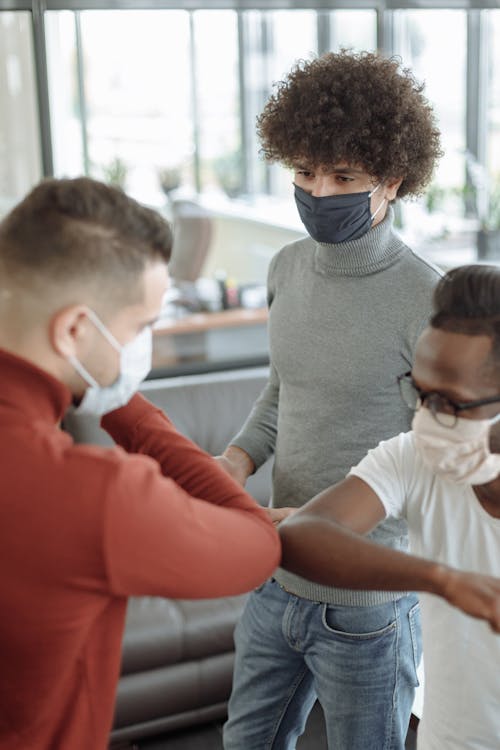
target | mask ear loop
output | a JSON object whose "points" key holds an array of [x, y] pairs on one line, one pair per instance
{"points": [[102, 329], [384, 200], [77, 365], [82, 371]]}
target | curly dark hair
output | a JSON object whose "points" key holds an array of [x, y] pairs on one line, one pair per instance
{"points": [[360, 108]]}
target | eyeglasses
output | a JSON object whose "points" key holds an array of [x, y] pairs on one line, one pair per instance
{"points": [[443, 409]]}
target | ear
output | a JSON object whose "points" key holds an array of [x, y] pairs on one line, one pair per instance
{"points": [[68, 327], [392, 186]]}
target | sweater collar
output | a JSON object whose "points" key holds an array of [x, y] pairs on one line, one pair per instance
{"points": [[374, 251], [31, 390]]}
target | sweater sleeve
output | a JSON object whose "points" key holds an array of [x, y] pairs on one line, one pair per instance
{"points": [[257, 437], [178, 525], [159, 540], [140, 427]]}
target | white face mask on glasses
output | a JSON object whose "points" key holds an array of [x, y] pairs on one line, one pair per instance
{"points": [[460, 453], [135, 363]]}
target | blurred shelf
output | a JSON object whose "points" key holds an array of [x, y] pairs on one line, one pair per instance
{"points": [[205, 342]]}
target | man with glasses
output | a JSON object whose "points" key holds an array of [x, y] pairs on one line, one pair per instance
{"points": [[443, 478]]}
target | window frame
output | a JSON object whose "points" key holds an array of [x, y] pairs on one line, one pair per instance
{"points": [[476, 104]]}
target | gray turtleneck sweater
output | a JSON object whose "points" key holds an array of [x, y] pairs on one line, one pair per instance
{"points": [[343, 323]]}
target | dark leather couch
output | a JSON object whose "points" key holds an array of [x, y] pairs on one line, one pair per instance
{"points": [[177, 654]]}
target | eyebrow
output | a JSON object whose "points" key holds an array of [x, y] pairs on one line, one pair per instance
{"points": [[449, 394], [347, 170]]}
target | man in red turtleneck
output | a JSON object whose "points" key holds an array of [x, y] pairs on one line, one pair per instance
{"points": [[82, 275]]}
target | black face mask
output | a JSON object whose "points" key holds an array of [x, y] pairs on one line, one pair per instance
{"points": [[335, 218]]}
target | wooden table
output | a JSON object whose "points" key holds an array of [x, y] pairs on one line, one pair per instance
{"points": [[222, 336]]}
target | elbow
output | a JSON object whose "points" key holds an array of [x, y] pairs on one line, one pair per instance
{"points": [[266, 555], [270, 549], [275, 552], [293, 554]]}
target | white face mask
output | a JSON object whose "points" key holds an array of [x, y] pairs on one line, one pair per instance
{"points": [[460, 453], [135, 363]]}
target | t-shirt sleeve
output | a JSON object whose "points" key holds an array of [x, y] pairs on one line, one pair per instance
{"points": [[389, 470]]}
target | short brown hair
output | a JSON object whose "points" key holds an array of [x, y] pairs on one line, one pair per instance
{"points": [[81, 229], [360, 108]]}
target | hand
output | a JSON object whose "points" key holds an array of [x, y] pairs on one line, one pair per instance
{"points": [[279, 514], [236, 463], [475, 594]]}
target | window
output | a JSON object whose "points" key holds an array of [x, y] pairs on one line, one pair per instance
{"points": [[164, 102], [20, 163], [216, 101], [438, 218], [161, 106], [119, 112]]}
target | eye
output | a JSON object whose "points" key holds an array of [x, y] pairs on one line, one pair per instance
{"points": [[304, 173], [343, 179]]}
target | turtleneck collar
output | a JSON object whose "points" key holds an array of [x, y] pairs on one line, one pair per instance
{"points": [[31, 390], [374, 251]]}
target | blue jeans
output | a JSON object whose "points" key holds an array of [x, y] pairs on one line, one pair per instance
{"points": [[360, 662]]}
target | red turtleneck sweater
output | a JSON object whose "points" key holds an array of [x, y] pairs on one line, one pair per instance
{"points": [[81, 529]]}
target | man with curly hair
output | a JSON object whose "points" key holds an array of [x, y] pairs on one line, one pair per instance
{"points": [[347, 305]]}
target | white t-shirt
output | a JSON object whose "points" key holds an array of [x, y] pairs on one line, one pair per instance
{"points": [[462, 655]]}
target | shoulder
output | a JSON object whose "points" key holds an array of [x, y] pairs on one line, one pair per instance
{"points": [[390, 470], [288, 264], [291, 254], [387, 463], [421, 270], [413, 280], [398, 450]]}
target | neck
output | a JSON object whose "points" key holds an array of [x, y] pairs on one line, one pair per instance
{"points": [[33, 347], [377, 249], [489, 497]]}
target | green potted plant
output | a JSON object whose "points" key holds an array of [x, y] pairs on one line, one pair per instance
{"points": [[115, 172], [434, 197]]}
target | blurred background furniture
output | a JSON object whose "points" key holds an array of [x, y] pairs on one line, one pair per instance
{"points": [[210, 340], [192, 227]]}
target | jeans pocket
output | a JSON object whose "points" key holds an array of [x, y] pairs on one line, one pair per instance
{"points": [[359, 623], [416, 637]]}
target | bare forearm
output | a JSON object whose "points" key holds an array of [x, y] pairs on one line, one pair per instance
{"points": [[320, 550], [324, 541]]}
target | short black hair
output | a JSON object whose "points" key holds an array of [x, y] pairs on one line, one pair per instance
{"points": [[82, 229], [360, 108], [467, 300]]}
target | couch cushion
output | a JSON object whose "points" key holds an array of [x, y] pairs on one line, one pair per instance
{"points": [[160, 631], [171, 697]]}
